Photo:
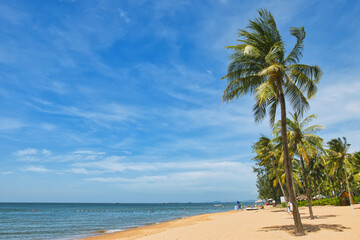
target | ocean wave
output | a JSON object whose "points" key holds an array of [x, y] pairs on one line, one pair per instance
{"points": [[113, 230]]}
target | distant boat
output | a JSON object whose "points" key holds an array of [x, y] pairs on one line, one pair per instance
{"points": [[217, 205]]}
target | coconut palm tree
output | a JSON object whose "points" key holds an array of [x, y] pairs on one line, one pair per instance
{"points": [[318, 175], [304, 143], [282, 175], [354, 161], [260, 67], [338, 157], [266, 152]]}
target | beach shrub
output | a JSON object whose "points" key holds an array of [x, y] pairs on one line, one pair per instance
{"points": [[335, 201], [283, 205]]}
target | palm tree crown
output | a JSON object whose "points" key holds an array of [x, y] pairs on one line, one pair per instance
{"points": [[259, 64]]}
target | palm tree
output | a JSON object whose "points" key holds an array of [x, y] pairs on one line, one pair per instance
{"points": [[338, 156], [318, 174], [259, 67], [266, 151], [305, 143], [355, 169], [282, 175]]}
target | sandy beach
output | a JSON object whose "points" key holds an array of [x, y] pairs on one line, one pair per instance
{"points": [[271, 223]]}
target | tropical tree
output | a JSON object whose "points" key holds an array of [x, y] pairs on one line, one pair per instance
{"points": [[260, 67], [264, 182], [354, 161], [267, 152], [304, 142], [318, 175], [338, 157]]}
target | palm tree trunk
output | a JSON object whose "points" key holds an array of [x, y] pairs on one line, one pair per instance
{"points": [[279, 181], [333, 186], [319, 185], [348, 187], [299, 229], [308, 193]]}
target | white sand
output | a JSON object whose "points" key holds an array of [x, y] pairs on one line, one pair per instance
{"points": [[272, 223]]}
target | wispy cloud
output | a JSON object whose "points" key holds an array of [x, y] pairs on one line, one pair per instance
{"points": [[36, 169], [32, 155], [10, 124], [124, 15], [102, 114], [338, 102], [87, 152], [196, 179], [12, 15], [27, 151]]}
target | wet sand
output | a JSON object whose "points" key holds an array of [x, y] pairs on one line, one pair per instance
{"points": [[271, 223]]}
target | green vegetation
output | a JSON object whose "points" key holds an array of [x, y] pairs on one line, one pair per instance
{"points": [[325, 173], [260, 67], [295, 161], [335, 201]]}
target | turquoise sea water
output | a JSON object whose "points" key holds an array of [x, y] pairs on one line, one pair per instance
{"points": [[38, 221]]}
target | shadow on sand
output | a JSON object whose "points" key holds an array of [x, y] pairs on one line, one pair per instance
{"points": [[307, 227], [280, 210], [324, 216]]}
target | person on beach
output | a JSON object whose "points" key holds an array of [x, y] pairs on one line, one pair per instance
{"points": [[290, 208], [240, 205]]}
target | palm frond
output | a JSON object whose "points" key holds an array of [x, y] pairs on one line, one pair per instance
{"points": [[314, 129], [241, 86], [296, 53], [307, 120], [305, 77]]}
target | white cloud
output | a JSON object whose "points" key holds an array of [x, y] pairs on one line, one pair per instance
{"points": [[228, 175], [115, 164], [37, 169], [104, 115], [124, 15], [32, 155], [26, 151], [139, 180], [338, 102], [45, 152], [83, 171], [6, 173], [87, 152]]}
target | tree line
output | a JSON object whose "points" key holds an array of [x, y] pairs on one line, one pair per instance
{"points": [[319, 168]]}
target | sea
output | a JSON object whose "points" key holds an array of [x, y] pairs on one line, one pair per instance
{"points": [[40, 221]]}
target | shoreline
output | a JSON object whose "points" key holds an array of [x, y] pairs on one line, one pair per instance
{"points": [[137, 231], [332, 222]]}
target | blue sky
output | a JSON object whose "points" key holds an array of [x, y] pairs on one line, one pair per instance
{"points": [[120, 101]]}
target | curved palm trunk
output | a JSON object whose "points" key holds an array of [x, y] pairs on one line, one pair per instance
{"points": [[279, 181], [308, 193], [299, 229]]}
